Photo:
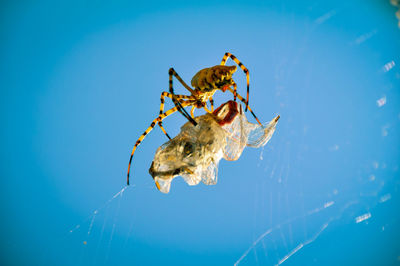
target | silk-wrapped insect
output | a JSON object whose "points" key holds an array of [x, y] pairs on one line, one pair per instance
{"points": [[196, 151]]}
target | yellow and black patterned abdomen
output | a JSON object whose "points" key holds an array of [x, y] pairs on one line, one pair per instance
{"points": [[213, 78]]}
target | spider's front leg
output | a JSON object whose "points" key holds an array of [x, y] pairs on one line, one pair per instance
{"points": [[245, 70], [243, 100], [235, 92]]}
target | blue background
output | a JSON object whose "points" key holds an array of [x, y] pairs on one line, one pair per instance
{"points": [[81, 80]]}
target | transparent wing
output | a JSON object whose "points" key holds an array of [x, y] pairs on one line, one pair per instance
{"points": [[241, 133], [260, 135]]}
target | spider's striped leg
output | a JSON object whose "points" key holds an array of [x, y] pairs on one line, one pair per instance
{"points": [[212, 104], [147, 131], [242, 99], [207, 110], [172, 73], [162, 99], [245, 70], [192, 111], [235, 91]]}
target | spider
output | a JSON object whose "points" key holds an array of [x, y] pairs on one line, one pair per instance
{"points": [[205, 83]]}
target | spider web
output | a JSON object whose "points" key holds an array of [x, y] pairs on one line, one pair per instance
{"points": [[300, 203], [361, 204], [81, 81]]}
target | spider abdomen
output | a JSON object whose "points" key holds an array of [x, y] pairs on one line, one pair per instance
{"points": [[213, 78]]}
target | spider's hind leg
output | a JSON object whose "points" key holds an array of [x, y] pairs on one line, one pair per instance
{"points": [[147, 131], [162, 99], [172, 73]]}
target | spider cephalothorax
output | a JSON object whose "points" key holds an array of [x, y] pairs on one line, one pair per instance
{"points": [[205, 83]]}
